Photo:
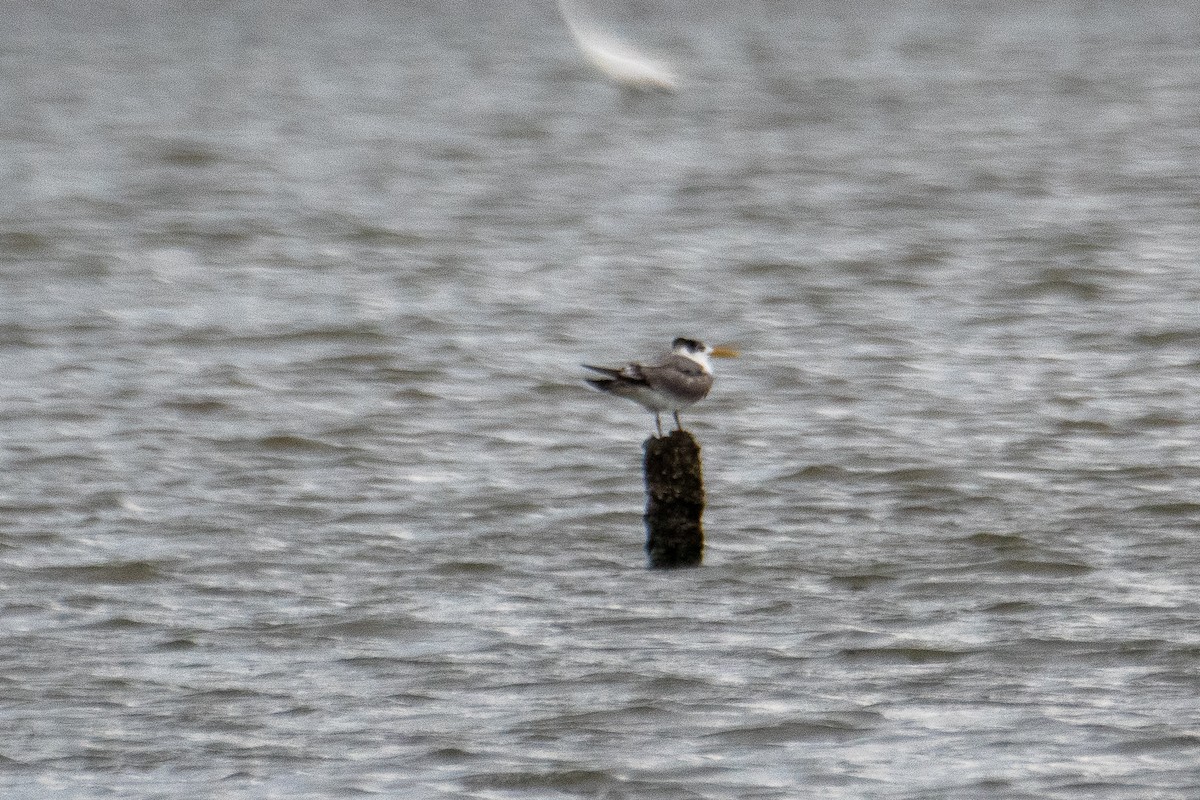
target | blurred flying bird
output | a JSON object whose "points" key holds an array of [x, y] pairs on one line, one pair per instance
{"points": [[616, 59]]}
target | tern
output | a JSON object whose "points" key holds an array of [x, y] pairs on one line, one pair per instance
{"points": [[681, 379], [617, 60]]}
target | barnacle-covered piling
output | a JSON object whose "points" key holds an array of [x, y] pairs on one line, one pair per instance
{"points": [[674, 500]]}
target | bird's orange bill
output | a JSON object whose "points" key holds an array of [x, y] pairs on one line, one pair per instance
{"points": [[722, 351]]}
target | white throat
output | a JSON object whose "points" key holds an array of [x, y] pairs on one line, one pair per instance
{"points": [[700, 358]]}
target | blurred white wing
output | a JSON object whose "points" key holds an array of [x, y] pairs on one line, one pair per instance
{"points": [[616, 59]]}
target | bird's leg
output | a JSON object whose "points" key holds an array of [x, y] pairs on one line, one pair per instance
{"points": [[678, 424], [658, 422]]}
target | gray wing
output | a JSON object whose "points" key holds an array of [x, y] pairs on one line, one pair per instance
{"points": [[630, 373], [628, 381], [680, 377]]}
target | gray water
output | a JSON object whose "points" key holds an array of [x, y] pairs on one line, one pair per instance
{"points": [[303, 496]]}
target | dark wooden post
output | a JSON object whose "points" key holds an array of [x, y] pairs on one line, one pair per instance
{"points": [[674, 501]]}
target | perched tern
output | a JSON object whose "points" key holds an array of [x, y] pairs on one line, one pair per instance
{"points": [[681, 379]]}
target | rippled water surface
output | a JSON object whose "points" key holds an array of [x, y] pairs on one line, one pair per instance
{"points": [[303, 496]]}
